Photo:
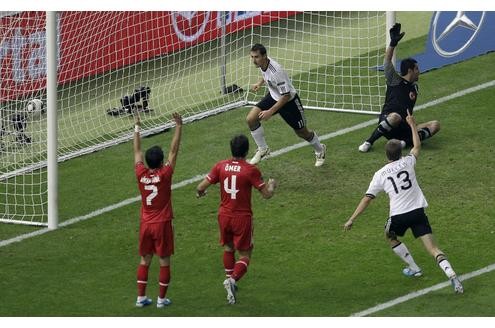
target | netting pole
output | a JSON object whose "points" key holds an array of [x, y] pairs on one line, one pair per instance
{"points": [[223, 57], [390, 22], [51, 88]]}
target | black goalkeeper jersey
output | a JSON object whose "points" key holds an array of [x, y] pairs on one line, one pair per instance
{"points": [[400, 95]]}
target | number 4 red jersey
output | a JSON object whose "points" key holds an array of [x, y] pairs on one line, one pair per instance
{"points": [[236, 178], [155, 187]]}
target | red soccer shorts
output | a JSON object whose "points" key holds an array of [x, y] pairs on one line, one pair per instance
{"points": [[236, 230], [156, 238]]}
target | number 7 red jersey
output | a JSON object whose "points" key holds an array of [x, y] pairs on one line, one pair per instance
{"points": [[155, 187], [236, 178]]}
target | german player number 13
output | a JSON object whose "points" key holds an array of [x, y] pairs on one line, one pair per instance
{"points": [[406, 180]]}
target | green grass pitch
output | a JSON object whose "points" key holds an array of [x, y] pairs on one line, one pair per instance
{"points": [[303, 263]]}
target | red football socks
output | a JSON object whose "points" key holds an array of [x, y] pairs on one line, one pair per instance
{"points": [[240, 268], [142, 279], [228, 263], [164, 280]]}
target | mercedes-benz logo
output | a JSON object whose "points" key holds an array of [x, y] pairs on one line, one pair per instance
{"points": [[460, 20], [195, 31]]}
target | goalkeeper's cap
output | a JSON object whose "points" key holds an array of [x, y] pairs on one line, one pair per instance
{"points": [[239, 146], [154, 157]]}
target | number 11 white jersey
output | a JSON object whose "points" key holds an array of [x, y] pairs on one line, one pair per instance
{"points": [[398, 180]]}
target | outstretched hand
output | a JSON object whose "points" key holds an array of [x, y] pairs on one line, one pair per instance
{"points": [[395, 35]]}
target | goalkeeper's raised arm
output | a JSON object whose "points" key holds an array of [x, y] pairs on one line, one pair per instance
{"points": [[401, 95], [391, 75], [395, 37]]}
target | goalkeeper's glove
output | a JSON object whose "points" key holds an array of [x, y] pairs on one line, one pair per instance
{"points": [[395, 35]]}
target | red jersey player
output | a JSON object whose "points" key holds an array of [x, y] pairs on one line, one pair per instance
{"points": [[156, 235], [235, 217]]}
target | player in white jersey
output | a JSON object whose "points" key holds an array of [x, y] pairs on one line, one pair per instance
{"points": [[407, 204], [281, 99]]}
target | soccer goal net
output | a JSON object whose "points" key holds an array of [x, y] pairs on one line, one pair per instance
{"points": [[195, 63]]}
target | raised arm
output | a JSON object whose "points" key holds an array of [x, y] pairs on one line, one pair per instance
{"points": [[415, 136], [174, 145], [389, 54], [390, 74], [138, 154], [395, 37]]}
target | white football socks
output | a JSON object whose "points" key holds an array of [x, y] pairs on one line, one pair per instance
{"points": [[402, 252], [259, 137], [315, 142], [447, 268]]}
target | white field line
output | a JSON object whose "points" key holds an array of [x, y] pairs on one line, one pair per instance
{"points": [[273, 154], [421, 292], [94, 213]]}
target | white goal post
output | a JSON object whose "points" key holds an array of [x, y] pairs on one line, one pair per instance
{"points": [[102, 65]]}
